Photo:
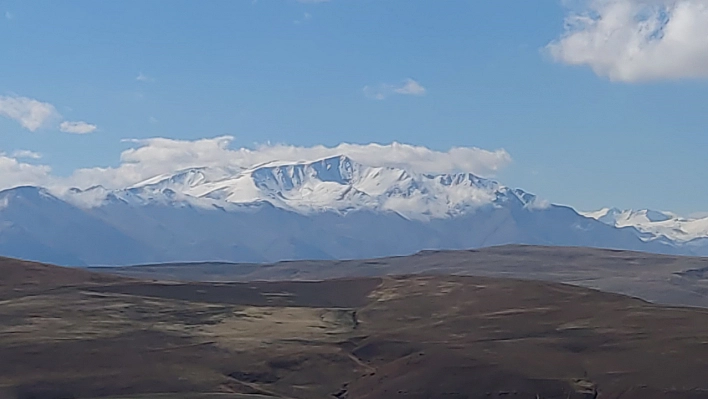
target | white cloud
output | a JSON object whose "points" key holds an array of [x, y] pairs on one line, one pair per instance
{"points": [[14, 173], [26, 154], [151, 157], [409, 87], [637, 40], [31, 114], [537, 204], [77, 127], [144, 78]]}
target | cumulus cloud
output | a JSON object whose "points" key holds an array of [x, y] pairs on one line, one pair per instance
{"points": [[411, 88], [408, 87], [26, 154], [637, 40], [14, 173], [29, 113], [151, 157], [155, 156], [33, 114], [77, 127], [216, 152]]}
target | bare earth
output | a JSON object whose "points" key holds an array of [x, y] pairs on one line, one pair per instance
{"points": [[67, 333]]}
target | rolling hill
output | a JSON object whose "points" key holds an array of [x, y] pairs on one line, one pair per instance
{"points": [[75, 334]]}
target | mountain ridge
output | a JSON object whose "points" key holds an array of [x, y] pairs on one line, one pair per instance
{"points": [[331, 208], [655, 224], [334, 183]]}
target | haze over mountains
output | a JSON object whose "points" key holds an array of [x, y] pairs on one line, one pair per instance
{"points": [[332, 208]]}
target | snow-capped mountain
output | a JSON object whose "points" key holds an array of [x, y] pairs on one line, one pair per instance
{"points": [[655, 223], [333, 208], [333, 184]]}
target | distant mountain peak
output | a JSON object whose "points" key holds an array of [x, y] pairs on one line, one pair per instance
{"points": [[332, 184], [329, 208], [28, 192], [654, 224]]}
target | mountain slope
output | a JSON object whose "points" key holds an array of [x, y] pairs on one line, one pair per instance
{"points": [[333, 184], [333, 208], [39, 226], [655, 224]]}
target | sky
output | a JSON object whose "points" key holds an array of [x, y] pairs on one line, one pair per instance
{"points": [[589, 103]]}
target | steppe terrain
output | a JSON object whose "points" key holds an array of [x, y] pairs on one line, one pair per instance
{"points": [[69, 333], [670, 280]]}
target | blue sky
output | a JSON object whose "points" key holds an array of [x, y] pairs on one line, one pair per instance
{"points": [[584, 123]]}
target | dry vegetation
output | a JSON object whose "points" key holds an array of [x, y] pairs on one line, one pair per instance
{"points": [[66, 334], [673, 280]]}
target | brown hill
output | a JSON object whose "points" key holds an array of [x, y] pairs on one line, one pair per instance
{"points": [[77, 335], [672, 280], [20, 278]]}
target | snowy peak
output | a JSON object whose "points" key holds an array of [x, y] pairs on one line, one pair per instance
{"points": [[342, 184], [464, 179], [338, 170], [28, 195], [327, 208], [334, 184], [655, 223], [622, 218], [184, 179], [655, 216], [605, 215]]}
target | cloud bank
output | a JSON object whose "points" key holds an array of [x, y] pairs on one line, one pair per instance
{"points": [[14, 173], [637, 40], [151, 157]]}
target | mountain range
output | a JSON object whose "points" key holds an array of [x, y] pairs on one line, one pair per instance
{"points": [[656, 223], [333, 208]]}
